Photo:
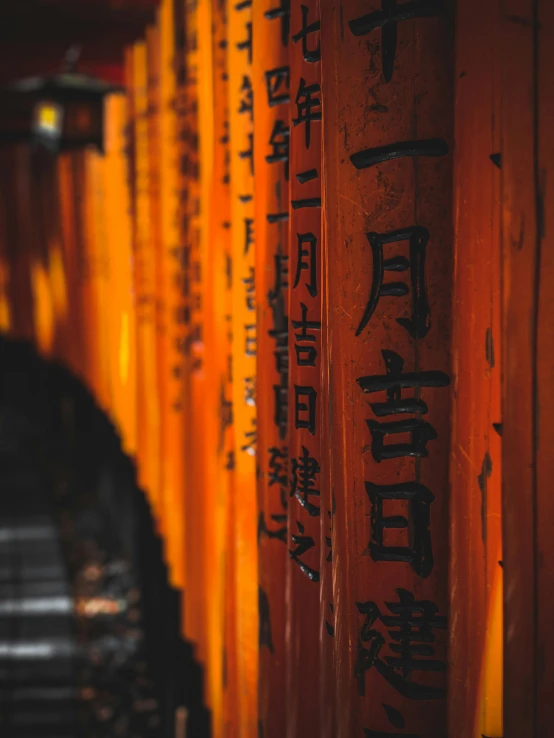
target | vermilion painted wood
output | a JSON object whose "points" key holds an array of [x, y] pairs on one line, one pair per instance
{"points": [[369, 102], [475, 656], [545, 383], [171, 277], [121, 323], [244, 366], [271, 94], [190, 224], [519, 397], [327, 662], [213, 269], [148, 447], [68, 216], [222, 297], [15, 196], [304, 311], [154, 246]]}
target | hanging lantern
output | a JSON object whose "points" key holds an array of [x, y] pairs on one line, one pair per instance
{"points": [[64, 111]]}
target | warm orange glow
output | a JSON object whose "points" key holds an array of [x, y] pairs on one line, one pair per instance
{"points": [[48, 118], [91, 607], [44, 313], [492, 690]]}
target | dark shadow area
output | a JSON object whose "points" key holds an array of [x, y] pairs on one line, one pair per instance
{"points": [[89, 627]]}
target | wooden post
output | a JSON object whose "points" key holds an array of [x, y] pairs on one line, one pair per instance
{"points": [[387, 133], [476, 465], [172, 329], [244, 363], [527, 399], [66, 193], [148, 420], [222, 295], [544, 31], [192, 321], [305, 396], [214, 366], [121, 321], [271, 94]]}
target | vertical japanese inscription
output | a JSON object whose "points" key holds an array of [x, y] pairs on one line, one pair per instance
{"points": [[271, 83], [389, 207], [242, 102], [305, 316]]}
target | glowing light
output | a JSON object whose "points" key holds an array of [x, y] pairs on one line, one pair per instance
{"points": [[93, 606], [48, 119]]}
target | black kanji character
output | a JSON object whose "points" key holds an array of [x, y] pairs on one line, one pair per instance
{"points": [[418, 325], [249, 152], [247, 43], [310, 55], [394, 381], [411, 629], [250, 290], [277, 82], [387, 20], [279, 142], [303, 544], [307, 261], [419, 551], [305, 414], [250, 440], [247, 97], [282, 12], [308, 106], [250, 340], [281, 262], [305, 355], [248, 234], [305, 469], [250, 390]]}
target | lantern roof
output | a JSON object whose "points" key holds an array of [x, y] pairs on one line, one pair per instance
{"points": [[64, 86]]}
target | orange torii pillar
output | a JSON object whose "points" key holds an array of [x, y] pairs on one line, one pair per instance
{"points": [[223, 439], [171, 277], [306, 393], [475, 655], [268, 104], [244, 361], [527, 169], [145, 284], [387, 177], [120, 309]]}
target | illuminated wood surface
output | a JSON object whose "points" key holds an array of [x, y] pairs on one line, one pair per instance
{"points": [[220, 271], [545, 384], [121, 320], [148, 411], [526, 91], [305, 396], [244, 364], [326, 345], [171, 276], [476, 465], [387, 135], [268, 104]]}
